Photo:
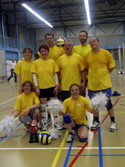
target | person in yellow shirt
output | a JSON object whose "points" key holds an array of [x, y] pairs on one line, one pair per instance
{"points": [[82, 50], [75, 114], [27, 105], [23, 68], [99, 63], [71, 67], [84, 47], [54, 51], [46, 82]]}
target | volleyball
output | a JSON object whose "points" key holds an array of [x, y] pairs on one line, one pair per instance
{"points": [[60, 41], [45, 137]]}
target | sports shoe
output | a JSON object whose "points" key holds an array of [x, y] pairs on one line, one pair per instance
{"points": [[95, 125], [44, 128], [69, 138], [56, 125], [113, 127], [63, 127]]}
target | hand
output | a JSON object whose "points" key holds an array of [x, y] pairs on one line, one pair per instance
{"points": [[37, 91], [83, 88], [20, 90], [15, 113], [56, 90], [61, 113], [26, 112], [59, 87]]}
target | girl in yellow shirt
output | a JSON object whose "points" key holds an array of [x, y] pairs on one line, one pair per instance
{"points": [[75, 114], [27, 104], [23, 68]]}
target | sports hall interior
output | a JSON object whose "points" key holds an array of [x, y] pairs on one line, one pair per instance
{"points": [[20, 28]]}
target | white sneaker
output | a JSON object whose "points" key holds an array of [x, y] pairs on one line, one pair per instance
{"points": [[113, 127], [63, 127], [56, 125], [95, 125], [44, 128], [69, 138]]}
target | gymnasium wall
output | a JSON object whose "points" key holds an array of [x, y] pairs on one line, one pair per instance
{"points": [[110, 35]]}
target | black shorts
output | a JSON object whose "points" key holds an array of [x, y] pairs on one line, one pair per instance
{"points": [[64, 95], [46, 93]]}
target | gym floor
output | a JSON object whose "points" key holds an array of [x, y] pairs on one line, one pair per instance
{"points": [[104, 148]]}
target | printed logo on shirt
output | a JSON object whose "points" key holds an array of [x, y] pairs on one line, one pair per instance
{"points": [[78, 104]]}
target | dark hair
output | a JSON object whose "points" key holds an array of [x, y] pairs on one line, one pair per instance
{"points": [[48, 34], [84, 32], [27, 48], [43, 46], [74, 84], [28, 82]]}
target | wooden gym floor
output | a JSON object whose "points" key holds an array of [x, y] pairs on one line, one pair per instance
{"points": [[103, 149]]}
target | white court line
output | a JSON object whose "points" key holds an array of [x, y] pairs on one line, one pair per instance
{"points": [[65, 148], [8, 100]]}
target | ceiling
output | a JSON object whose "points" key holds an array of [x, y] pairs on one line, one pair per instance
{"points": [[64, 13]]}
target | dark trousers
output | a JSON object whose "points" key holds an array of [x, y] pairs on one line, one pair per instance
{"points": [[11, 75]]}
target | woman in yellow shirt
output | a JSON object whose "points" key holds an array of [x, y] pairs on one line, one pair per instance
{"points": [[27, 105], [75, 114], [46, 82], [23, 68]]}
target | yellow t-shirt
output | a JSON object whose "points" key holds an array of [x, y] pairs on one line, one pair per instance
{"points": [[70, 68], [23, 70], [77, 109], [45, 70], [55, 52], [24, 101], [81, 50], [98, 65]]}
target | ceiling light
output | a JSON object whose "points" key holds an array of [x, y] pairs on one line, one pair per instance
{"points": [[87, 11], [37, 15]]}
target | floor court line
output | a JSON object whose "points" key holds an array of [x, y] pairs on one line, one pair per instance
{"points": [[59, 150], [8, 100], [96, 155], [100, 148], [68, 154], [64, 148]]}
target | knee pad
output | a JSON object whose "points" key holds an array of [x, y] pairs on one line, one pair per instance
{"points": [[109, 105], [67, 119], [83, 139]]}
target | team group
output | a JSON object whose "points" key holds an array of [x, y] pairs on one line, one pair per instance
{"points": [[63, 72]]}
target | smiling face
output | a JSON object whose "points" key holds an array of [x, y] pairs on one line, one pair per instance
{"points": [[83, 37], [27, 54], [27, 88], [75, 91], [44, 53]]}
